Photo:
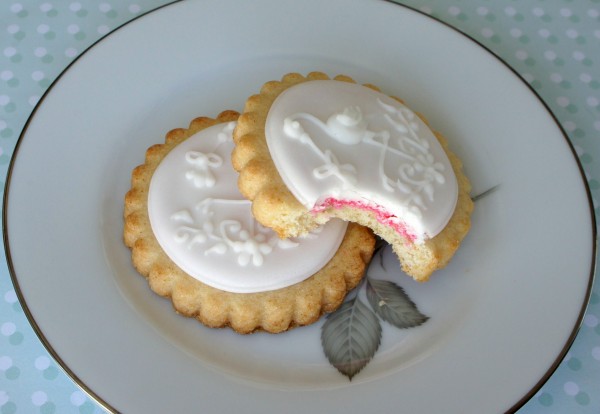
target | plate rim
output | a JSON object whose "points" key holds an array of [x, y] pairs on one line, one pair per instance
{"points": [[105, 404]]}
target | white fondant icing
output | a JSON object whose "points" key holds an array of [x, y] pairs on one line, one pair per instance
{"points": [[332, 139], [206, 227]]}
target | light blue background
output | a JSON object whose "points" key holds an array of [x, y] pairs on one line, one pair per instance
{"points": [[553, 44]]}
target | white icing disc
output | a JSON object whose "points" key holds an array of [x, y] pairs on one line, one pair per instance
{"points": [[206, 227], [341, 144]]}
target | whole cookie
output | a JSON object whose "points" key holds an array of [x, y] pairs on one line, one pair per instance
{"points": [[192, 235]]}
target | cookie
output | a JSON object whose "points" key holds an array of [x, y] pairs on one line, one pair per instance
{"points": [[310, 148], [193, 237]]}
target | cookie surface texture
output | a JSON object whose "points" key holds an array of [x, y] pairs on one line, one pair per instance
{"points": [[216, 238], [311, 148]]}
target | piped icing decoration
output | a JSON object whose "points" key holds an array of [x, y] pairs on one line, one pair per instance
{"points": [[338, 144], [206, 227]]}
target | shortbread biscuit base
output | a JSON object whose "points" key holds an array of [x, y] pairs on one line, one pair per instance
{"points": [[272, 311], [274, 206]]}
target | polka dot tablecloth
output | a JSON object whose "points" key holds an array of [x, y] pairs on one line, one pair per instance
{"points": [[553, 44]]}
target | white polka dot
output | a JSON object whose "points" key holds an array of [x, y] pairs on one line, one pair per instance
{"points": [[550, 55], [7, 328], [13, 28], [72, 29], [521, 55], [566, 12], [510, 11], [39, 398], [585, 77], [571, 388], [487, 32], [78, 398], [16, 8], [42, 362], [593, 102], [75, 6], [45, 7], [544, 33], [104, 7], [71, 52], [6, 75], [10, 52], [596, 353], [453, 11], [572, 34], [4, 398], [5, 363], [570, 126], [10, 296], [40, 52], [38, 75], [4, 100], [538, 11], [516, 33], [556, 78], [43, 29], [33, 100], [482, 11], [593, 13], [135, 8], [103, 29], [563, 101], [578, 55]]}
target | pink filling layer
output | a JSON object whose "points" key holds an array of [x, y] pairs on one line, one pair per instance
{"points": [[382, 215]]}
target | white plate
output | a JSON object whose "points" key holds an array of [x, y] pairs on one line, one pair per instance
{"points": [[502, 315]]}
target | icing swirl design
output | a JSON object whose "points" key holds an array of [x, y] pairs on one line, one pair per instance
{"points": [[248, 242], [206, 227], [359, 145]]}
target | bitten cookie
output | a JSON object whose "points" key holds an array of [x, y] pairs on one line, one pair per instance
{"points": [[311, 148], [192, 235]]}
